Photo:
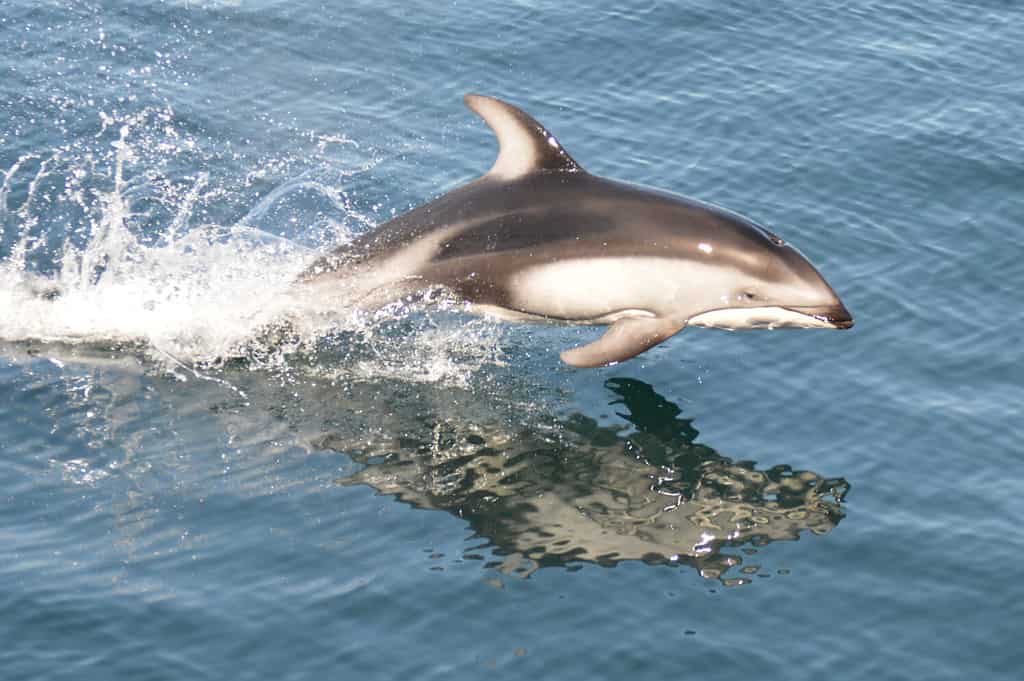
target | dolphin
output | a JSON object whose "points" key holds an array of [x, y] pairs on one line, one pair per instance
{"points": [[540, 239]]}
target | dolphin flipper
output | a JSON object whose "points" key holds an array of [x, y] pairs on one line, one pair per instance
{"points": [[624, 339]]}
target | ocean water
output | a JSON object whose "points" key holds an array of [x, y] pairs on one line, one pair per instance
{"points": [[190, 488]]}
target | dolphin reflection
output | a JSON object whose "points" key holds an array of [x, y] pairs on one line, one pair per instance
{"points": [[580, 491], [539, 490]]}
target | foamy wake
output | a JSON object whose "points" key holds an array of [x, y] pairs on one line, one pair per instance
{"points": [[191, 295]]}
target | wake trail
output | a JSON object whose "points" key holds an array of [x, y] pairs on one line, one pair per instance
{"points": [[110, 241]]}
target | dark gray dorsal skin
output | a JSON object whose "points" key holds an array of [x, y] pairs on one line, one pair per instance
{"points": [[538, 238]]}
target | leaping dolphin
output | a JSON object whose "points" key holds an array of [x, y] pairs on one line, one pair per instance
{"points": [[538, 238]]}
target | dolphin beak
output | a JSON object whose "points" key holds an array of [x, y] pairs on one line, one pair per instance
{"points": [[837, 316]]}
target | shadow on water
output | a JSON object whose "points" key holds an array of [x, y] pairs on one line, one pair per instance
{"points": [[573, 490], [537, 489]]}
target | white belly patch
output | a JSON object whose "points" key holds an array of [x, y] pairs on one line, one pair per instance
{"points": [[757, 318]]}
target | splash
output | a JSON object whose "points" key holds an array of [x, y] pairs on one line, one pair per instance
{"points": [[104, 244]]}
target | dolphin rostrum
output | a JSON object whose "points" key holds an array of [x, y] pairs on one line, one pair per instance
{"points": [[538, 238]]}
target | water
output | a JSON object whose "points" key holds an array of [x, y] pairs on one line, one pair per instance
{"points": [[193, 488]]}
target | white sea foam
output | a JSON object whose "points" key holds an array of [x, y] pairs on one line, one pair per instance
{"points": [[127, 259]]}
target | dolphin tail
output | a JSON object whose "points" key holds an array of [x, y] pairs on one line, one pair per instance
{"points": [[624, 339]]}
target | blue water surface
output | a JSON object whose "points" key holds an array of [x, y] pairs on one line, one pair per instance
{"points": [[438, 497]]}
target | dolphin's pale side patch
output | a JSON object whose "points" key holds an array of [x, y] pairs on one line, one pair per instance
{"points": [[591, 289]]}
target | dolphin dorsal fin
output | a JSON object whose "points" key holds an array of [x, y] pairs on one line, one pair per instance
{"points": [[524, 145]]}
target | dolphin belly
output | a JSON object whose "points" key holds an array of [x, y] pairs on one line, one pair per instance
{"points": [[734, 319]]}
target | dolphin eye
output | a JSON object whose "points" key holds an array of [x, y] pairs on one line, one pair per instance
{"points": [[749, 295]]}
